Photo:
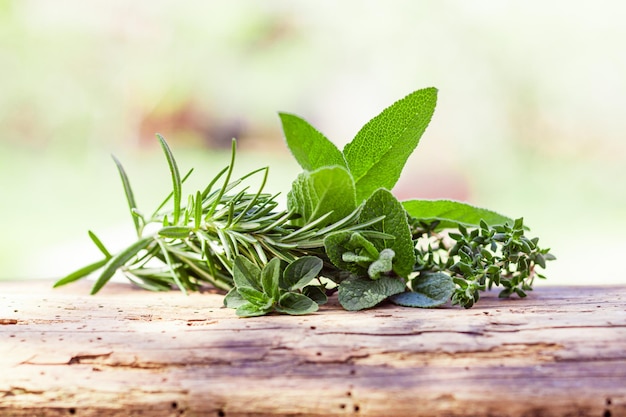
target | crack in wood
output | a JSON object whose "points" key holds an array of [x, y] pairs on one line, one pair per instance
{"points": [[15, 391], [86, 358]]}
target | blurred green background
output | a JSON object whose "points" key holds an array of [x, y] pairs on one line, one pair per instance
{"points": [[530, 120]]}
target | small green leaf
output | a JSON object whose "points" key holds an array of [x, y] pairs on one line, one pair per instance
{"points": [[197, 216], [128, 191], [80, 273], [395, 223], [233, 299], [379, 151], [256, 297], [316, 293], [175, 273], [251, 310], [326, 190], [176, 180], [352, 257], [170, 195], [118, 260], [99, 244], [175, 232], [296, 304], [452, 214], [341, 247], [429, 290], [246, 274], [382, 265], [311, 149], [270, 276], [360, 293], [300, 272]]}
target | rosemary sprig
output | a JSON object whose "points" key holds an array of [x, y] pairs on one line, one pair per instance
{"points": [[197, 244]]}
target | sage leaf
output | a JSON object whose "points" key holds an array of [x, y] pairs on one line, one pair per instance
{"points": [[395, 223], [361, 293], [341, 248], [452, 214], [296, 304], [326, 190], [380, 149], [429, 290], [300, 272], [311, 149], [382, 265]]}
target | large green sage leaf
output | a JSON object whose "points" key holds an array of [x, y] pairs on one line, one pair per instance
{"points": [[326, 190], [451, 214], [311, 149], [360, 293], [395, 223], [429, 290], [379, 151]]}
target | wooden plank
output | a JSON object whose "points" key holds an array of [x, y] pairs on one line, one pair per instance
{"points": [[127, 352]]}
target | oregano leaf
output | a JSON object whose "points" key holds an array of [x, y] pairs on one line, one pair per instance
{"points": [[429, 290], [311, 149], [361, 293], [233, 299], [314, 194], [256, 297], [451, 214], [270, 276], [296, 304], [300, 272], [250, 310], [316, 293], [377, 154], [246, 274]]}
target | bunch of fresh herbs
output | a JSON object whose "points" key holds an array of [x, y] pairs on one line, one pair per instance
{"points": [[342, 231]]}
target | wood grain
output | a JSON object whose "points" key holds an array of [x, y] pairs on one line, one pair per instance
{"points": [[127, 352]]}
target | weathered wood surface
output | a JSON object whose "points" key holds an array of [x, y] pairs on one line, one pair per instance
{"points": [[126, 352]]}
